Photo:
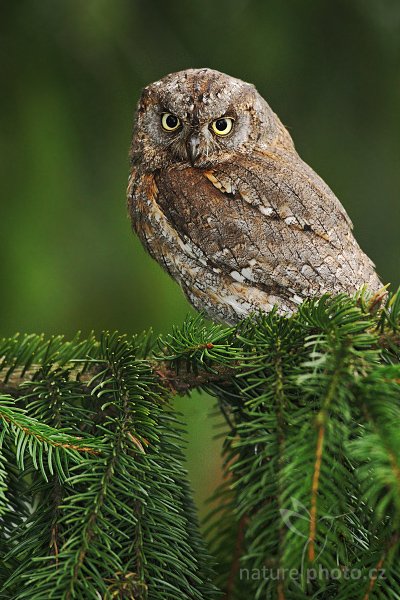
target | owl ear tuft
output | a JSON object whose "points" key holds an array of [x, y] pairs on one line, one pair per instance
{"points": [[144, 100]]}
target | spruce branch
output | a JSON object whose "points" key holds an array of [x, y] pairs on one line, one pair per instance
{"points": [[94, 499], [182, 364], [178, 380]]}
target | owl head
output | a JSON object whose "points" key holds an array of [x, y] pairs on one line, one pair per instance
{"points": [[199, 117]]}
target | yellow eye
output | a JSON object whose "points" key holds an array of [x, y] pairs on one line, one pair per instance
{"points": [[170, 122], [222, 126]]}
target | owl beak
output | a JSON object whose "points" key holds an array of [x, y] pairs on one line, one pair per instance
{"points": [[193, 148]]}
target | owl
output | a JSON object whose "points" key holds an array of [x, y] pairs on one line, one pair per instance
{"points": [[220, 198]]}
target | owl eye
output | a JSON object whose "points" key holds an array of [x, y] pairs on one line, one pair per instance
{"points": [[170, 122], [222, 126]]}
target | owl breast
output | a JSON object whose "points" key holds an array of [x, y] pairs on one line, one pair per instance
{"points": [[247, 235]]}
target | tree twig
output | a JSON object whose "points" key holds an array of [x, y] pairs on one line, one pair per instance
{"points": [[177, 381]]}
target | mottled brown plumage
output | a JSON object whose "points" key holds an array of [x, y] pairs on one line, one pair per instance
{"points": [[236, 218]]}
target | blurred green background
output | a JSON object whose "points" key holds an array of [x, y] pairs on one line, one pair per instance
{"points": [[71, 73]]}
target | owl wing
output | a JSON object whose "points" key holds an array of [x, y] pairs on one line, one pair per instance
{"points": [[283, 187], [266, 222]]}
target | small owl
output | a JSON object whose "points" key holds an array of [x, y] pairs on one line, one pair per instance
{"points": [[220, 198]]}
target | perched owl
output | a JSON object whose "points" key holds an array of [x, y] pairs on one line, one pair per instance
{"points": [[220, 198]]}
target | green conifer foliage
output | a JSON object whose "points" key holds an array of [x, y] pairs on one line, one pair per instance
{"points": [[94, 498]]}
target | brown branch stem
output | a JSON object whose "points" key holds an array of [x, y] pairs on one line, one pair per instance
{"points": [[177, 381]]}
